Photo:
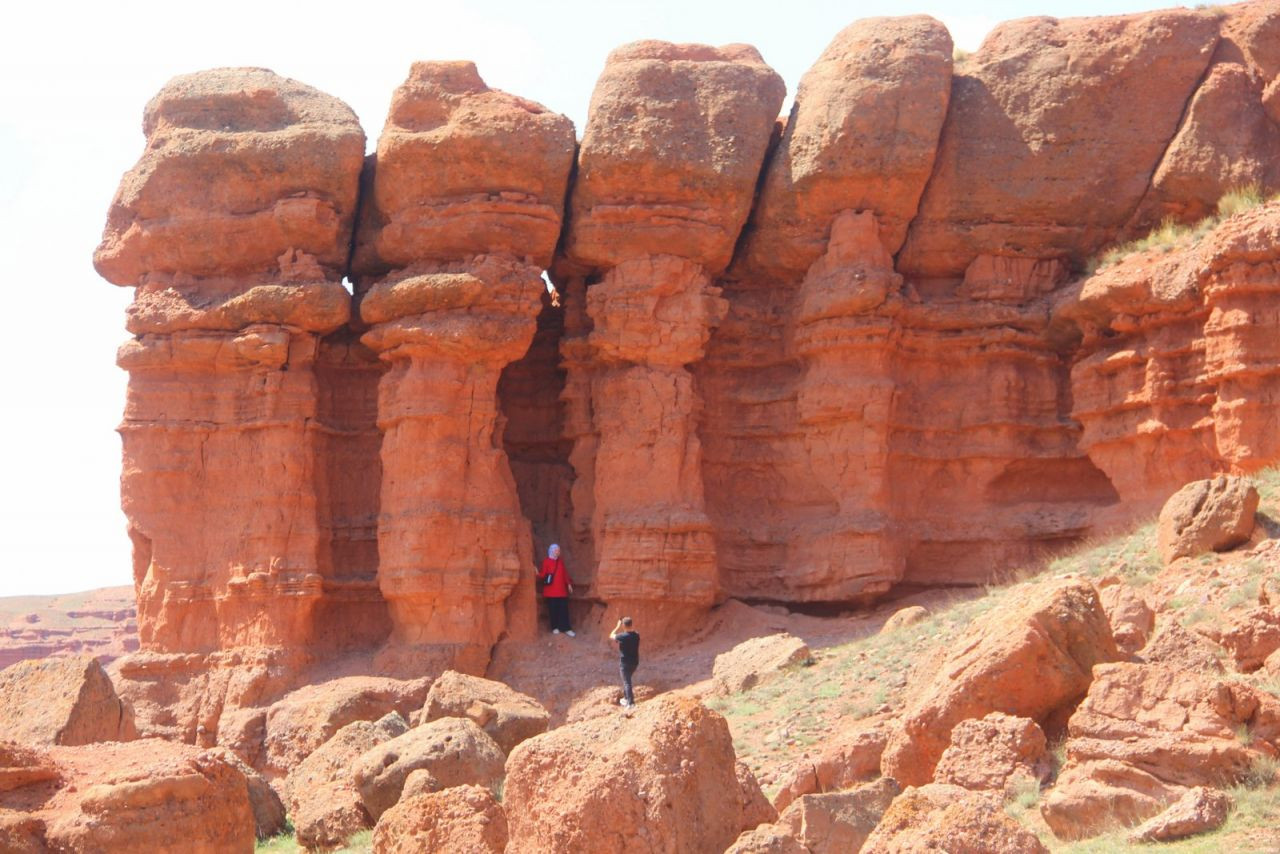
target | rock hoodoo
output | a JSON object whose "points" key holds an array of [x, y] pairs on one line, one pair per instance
{"points": [[799, 362]]}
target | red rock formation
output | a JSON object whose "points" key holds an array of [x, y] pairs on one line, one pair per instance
{"points": [[1176, 374], [118, 797], [1034, 160], [234, 229], [64, 701], [464, 210], [656, 209], [803, 376]]}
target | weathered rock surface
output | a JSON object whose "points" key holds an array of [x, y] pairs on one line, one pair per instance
{"points": [[64, 701], [118, 797], [462, 819], [1025, 166], [324, 803], [1147, 733], [464, 170], [675, 138], [838, 821], [994, 753], [1198, 811], [454, 751], [952, 819], [861, 137], [1057, 633], [1174, 373], [1183, 649], [1131, 618], [1208, 515], [268, 808], [508, 716], [301, 721], [1252, 637], [754, 660], [851, 756], [663, 778]]}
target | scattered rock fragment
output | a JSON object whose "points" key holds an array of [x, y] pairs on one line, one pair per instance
{"points": [[1207, 515], [754, 660]]}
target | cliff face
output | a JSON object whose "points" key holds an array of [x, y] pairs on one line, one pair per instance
{"points": [[799, 362]]}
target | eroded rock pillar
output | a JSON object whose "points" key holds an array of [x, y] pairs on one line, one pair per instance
{"points": [[234, 229], [463, 212], [666, 174], [843, 332], [453, 543], [654, 543]]}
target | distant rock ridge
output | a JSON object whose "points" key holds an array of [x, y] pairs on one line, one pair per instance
{"points": [[797, 361]]}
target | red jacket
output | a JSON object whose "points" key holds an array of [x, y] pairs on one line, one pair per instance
{"points": [[560, 581]]}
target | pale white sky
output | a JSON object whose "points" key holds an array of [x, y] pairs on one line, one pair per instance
{"points": [[73, 81]]}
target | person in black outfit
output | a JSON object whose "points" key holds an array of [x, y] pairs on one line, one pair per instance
{"points": [[629, 653]]}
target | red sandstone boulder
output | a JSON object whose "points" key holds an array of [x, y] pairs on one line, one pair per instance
{"points": [[850, 756], [462, 819], [903, 618], [1252, 637], [1130, 616], [463, 170], [1208, 515], [127, 797], [455, 751], [662, 778], [838, 822], [62, 701], [767, 839], [938, 817], [670, 156], [324, 803], [1179, 726], [1026, 166], [1033, 658], [1183, 649], [1145, 734], [756, 808], [753, 660], [861, 136], [1198, 811], [603, 701], [508, 716], [994, 753], [303, 720], [284, 159], [268, 808], [1091, 797]]}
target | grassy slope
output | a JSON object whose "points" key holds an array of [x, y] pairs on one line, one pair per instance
{"points": [[775, 721]]}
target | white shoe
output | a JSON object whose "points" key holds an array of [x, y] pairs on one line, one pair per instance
{"points": [[623, 702], [555, 631], [570, 633]]}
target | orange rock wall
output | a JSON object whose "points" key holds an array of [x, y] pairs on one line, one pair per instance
{"points": [[799, 361]]}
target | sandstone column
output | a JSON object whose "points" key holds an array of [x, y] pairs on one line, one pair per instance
{"points": [[463, 213], [666, 174], [844, 333], [234, 228]]}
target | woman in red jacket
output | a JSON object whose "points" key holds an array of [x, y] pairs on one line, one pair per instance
{"points": [[556, 590]]}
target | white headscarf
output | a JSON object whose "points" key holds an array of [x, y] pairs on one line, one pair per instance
{"points": [[554, 551]]}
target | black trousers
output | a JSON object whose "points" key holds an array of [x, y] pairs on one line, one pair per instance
{"points": [[558, 606], [628, 670]]}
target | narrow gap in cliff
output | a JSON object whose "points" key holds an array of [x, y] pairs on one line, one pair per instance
{"points": [[529, 398]]}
